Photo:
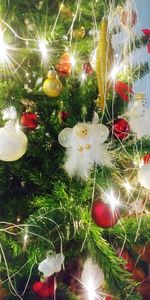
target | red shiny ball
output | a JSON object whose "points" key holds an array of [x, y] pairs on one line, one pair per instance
{"points": [[120, 129], [130, 263], [29, 120], [63, 115], [144, 289], [146, 158], [87, 68], [103, 215], [44, 289], [108, 297]]}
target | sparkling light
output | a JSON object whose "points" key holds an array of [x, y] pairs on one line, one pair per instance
{"points": [[91, 290], [3, 48], [43, 48], [115, 71], [83, 76], [112, 199], [72, 60], [127, 185]]}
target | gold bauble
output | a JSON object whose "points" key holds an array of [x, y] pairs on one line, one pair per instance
{"points": [[52, 86], [80, 148], [79, 33]]}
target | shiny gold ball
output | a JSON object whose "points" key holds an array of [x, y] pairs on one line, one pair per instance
{"points": [[79, 33], [81, 130], [52, 86], [87, 146], [80, 148]]}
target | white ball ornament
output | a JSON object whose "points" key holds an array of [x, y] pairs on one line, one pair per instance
{"points": [[144, 176], [13, 142]]}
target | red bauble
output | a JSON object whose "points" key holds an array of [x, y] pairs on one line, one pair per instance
{"points": [[128, 18], [120, 129], [130, 263], [64, 65], [108, 297], [144, 289], [29, 120], [87, 68], [63, 116], [103, 215], [146, 158], [45, 289]]}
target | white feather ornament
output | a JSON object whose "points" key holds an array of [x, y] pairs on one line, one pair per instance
{"points": [[52, 264], [84, 143], [139, 118]]}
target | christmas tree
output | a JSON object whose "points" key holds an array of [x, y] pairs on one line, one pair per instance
{"points": [[74, 150]]}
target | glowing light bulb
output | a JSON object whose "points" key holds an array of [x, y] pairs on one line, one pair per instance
{"points": [[3, 49], [127, 185], [43, 49], [112, 200], [25, 237], [83, 76], [115, 71], [72, 60], [91, 290]]}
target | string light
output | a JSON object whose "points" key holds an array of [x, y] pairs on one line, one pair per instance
{"points": [[72, 60], [43, 49], [127, 185], [83, 77], [91, 290]]}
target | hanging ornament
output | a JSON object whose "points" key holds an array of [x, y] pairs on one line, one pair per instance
{"points": [[64, 65], [52, 264], [52, 86], [108, 297], [84, 143], [63, 116], [103, 215], [87, 69], [138, 274], [144, 175], [139, 116], [13, 142], [29, 120], [147, 34], [128, 18], [123, 90], [65, 11], [144, 289], [146, 158], [91, 275], [4, 294], [45, 289], [104, 62], [129, 261], [79, 33], [120, 129]]}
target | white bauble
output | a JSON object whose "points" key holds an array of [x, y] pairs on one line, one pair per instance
{"points": [[13, 143], [144, 176]]}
